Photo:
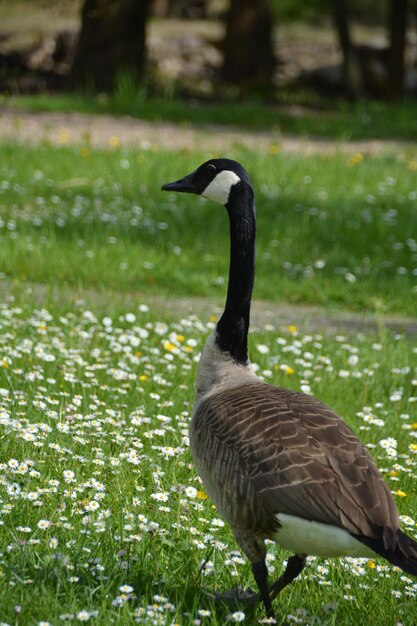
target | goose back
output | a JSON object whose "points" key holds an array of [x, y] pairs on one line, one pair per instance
{"points": [[263, 450]]}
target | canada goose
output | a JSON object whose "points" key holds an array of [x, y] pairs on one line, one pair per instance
{"points": [[278, 464]]}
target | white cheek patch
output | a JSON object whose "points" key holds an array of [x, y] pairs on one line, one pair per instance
{"points": [[219, 188]]}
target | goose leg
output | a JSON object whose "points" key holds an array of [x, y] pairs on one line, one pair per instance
{"points": [[247, 598], [295, 565], [260, 574]]}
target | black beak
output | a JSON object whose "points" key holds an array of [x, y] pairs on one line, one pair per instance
{"points": [[184, 184]]}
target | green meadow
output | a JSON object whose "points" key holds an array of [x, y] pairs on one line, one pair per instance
{"points": [[337, 231], [103, 517]]}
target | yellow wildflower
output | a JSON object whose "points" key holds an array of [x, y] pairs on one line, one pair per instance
{"points": [[114, 141], [169, 346], [63, 136], [355, 159]]}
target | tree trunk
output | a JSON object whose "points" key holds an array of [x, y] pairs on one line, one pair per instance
{"points": [[111, 41], [396, 65], [248, 45], [353, 81]]}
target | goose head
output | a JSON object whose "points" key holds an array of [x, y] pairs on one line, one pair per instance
{"points": [[216, 179]]}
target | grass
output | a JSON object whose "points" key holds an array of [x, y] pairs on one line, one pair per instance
{"points": [[318, 118], [337, 231], [103, 516]]}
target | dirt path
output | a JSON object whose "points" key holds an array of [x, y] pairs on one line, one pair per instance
{"points": [[106, 130], [308, 319]]}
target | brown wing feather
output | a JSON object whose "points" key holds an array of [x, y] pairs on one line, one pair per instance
{"points": [[286, 452]]}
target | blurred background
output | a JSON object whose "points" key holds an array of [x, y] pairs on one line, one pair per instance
{"points": [[208, 51]]}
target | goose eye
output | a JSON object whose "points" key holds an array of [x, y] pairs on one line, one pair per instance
{"points": [[211, 168]]}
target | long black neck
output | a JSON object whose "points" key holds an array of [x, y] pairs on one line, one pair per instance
{"points": [[233, 326]]}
